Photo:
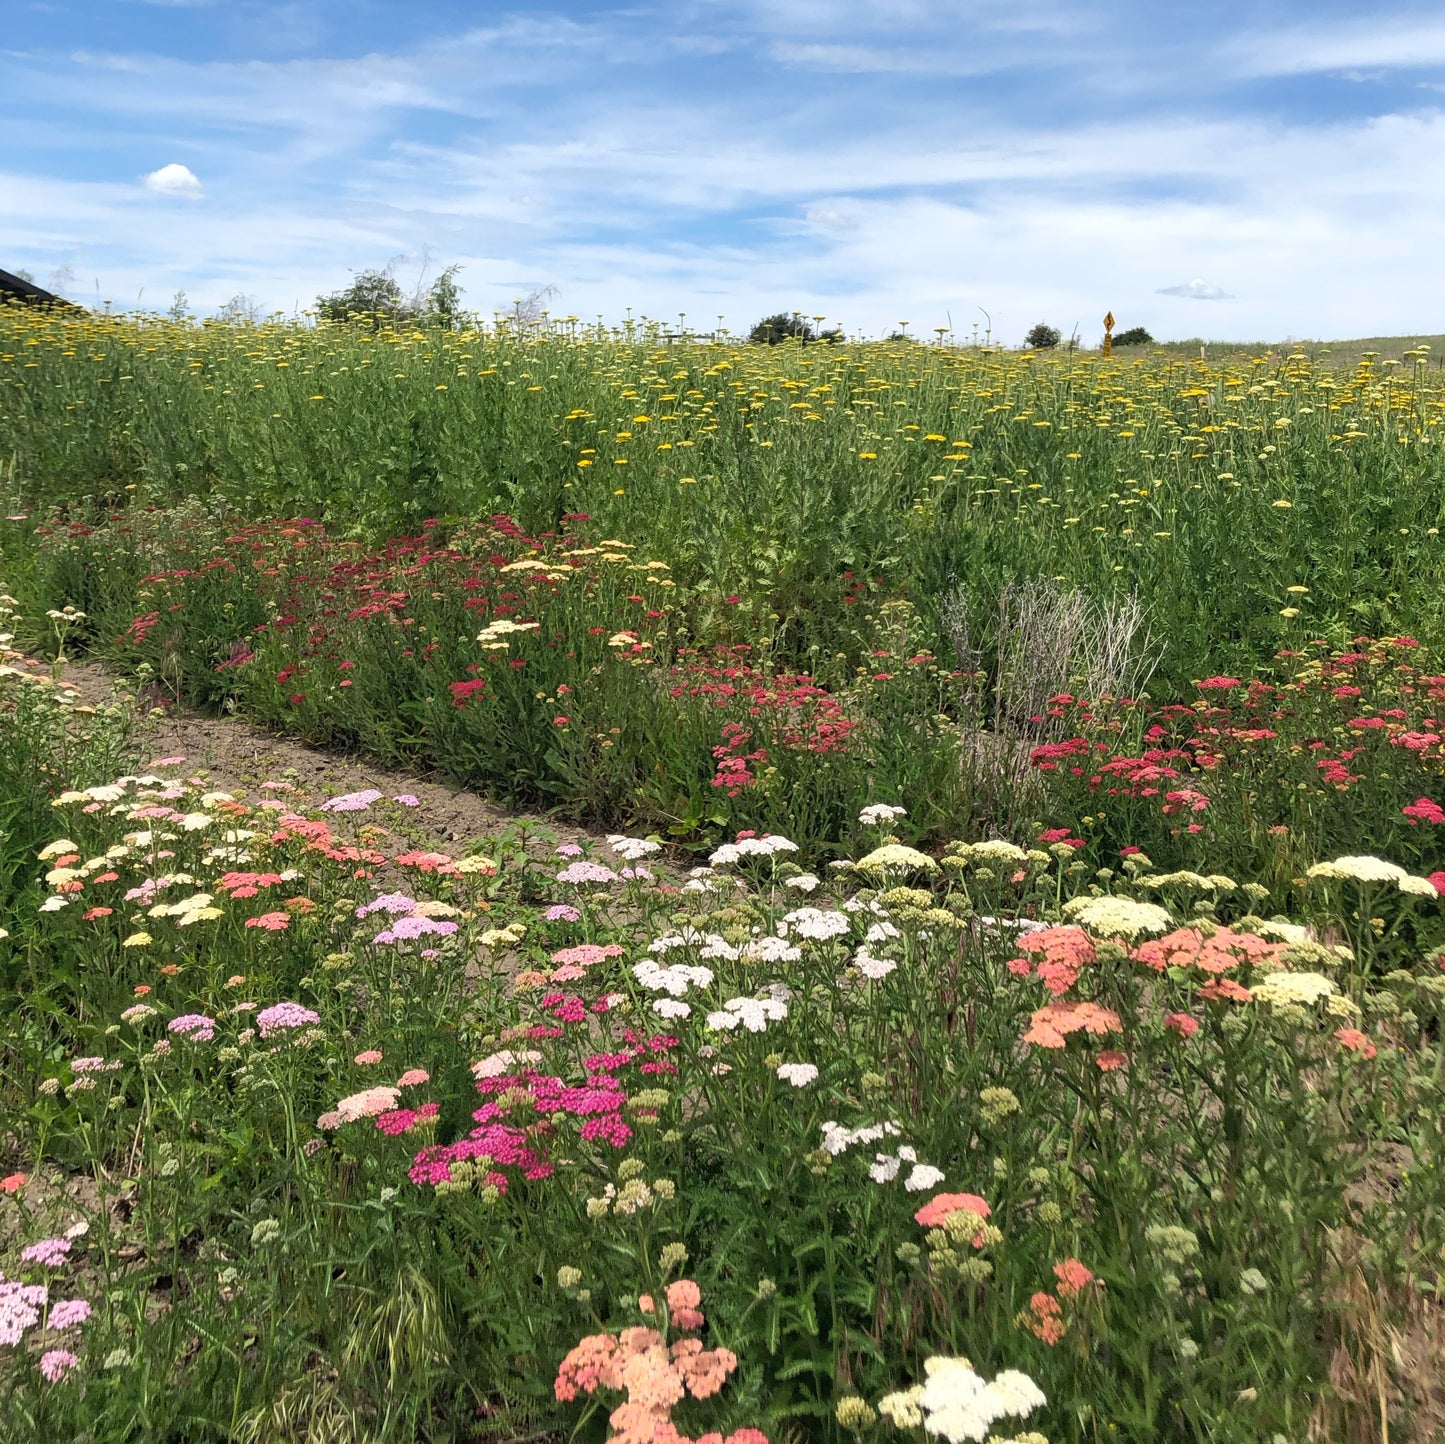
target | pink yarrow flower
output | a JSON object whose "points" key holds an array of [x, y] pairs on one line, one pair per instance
{"points": [[55, 1364], [195, 1026], [67, 1314], [281, 1017], [50, 1252]]}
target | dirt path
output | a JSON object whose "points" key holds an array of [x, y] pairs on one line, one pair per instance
{"points": [[237, 756]]}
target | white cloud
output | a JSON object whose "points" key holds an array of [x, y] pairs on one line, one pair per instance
{"points": [[706, 186], [174, 180], [1196, 290], [1353, 48]]}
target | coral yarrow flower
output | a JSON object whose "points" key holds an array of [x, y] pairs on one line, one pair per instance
{"points": [[1072, 1276], [937, 1211], [1356, 1042], [1052, 1024]]}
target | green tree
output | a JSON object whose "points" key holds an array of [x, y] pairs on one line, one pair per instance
{"points": [[787, 326], [1134, 336], [444, 301], [1043, 337], [373, 297]]}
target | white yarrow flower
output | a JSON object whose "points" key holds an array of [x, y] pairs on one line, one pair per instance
{"points": [[880, 812], [798, 1074], [816, 924], [923, 1177]]}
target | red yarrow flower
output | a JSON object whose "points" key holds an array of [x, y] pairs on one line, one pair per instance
{"points": [[1423, 810]]}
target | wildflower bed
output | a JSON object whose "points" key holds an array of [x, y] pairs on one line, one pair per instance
{"points": [[317, 1135]]}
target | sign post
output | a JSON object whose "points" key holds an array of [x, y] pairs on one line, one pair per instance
{"points": [[1108, 333]]}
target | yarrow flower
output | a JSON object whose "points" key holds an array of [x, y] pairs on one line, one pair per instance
{"points": [[878, 812], [958, 1404], [55, 1364], [194, 1026], [754, 1014], [769, 845], [1051, 1025], [353, 801], [1293, 988], [1118, 917], [798, 1074], [67, 1314], [50, 1252], [1359, 869], [816, 924], [584, 871], [368, 1103], [894, 857], [281, 1017], [675, 979]]}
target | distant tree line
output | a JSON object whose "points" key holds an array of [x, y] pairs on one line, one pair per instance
{"points": [[1044, 337]]}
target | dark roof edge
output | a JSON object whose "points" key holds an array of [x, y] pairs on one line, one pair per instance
{"points": [[16, 288]]}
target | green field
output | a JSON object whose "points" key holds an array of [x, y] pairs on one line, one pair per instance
{"points": [[965, 959]]}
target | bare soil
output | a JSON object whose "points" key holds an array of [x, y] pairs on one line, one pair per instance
{"points": [[237, 756]]}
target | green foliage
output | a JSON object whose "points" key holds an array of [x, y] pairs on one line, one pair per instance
{"points": [[376, 298], [770, 472], [1134, 336], [1043, 337], [263, 1266], [789, 326]]}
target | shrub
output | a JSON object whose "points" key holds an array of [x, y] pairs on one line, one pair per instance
{"points": [[789, 326], [1043, 337]]}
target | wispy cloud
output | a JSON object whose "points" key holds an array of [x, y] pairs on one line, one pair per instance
{"points": [[822, 154], [1354, 48], [1196, 290]]}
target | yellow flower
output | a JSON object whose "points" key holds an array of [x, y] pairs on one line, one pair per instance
{"points": [[136, 940]]}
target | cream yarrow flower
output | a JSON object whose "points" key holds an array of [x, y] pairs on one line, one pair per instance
{"points": [[1359, 869], [1293, 988], [894, 856], [1118, 917]]}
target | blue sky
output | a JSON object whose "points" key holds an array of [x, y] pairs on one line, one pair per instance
{"points": [[1249, 172]]}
